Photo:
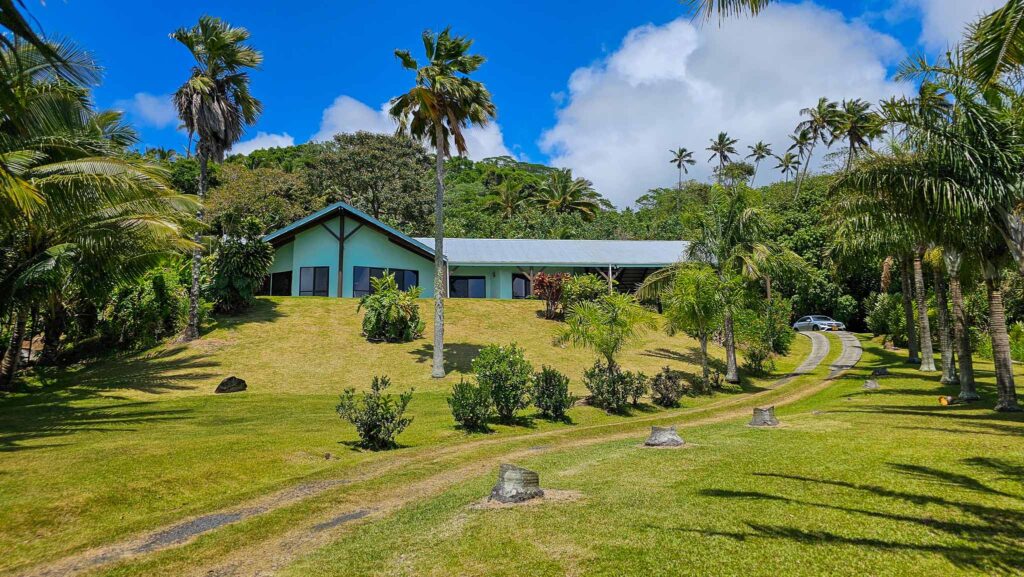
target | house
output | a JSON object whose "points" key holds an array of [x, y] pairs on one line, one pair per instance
{"points": [[309, 253]]}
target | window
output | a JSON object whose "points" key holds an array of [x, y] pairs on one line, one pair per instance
{"points": [[278, 284], [520, 286], [361, 276], [467, 287], [313, 281]]}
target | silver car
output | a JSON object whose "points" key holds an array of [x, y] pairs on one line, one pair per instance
{"points": [[818, 323]]}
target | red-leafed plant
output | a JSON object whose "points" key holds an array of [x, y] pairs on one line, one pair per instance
{"points": [[548, 287]]}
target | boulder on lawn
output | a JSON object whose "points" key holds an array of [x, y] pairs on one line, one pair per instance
{"points": [[515, 485], [882, 372], [764, 417], [871, 385], [664, 437], [231, 384]]}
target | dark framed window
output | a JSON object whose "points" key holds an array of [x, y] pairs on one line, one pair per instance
{"points": [[467, 287], [361, 276], [281, 284], [313, 281], [520, 286]]}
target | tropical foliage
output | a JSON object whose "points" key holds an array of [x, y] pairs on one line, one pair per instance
{"points": [[392, 315]]}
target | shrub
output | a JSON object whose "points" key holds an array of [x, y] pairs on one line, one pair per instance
{"points": [[763, 333], [668, 387], [239, 267], [507, 373], [141, 314], [582, 288], [377, 416], [392, 315], [551, 393], [471, 405], [885, 317], [548, 288], [613, 390]]}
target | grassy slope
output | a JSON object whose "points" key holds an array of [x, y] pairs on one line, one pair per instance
{"points": [[854, 483], [105, 451]]}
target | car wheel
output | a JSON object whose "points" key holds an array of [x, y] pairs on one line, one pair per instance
{"points": [[815, 328]]}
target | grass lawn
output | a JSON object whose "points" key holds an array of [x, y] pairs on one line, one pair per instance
{"points": [[100, 452], [853, 483]]}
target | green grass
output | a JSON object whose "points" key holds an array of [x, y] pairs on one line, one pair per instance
{"points": [[854, 483], [104, 451]]}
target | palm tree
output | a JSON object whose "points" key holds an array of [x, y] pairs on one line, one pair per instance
{"points": [[215, 105], [726, 8], [682, 157], [564, 194], [788, 164], [606, 326], [758, 152], [441, 105], [694, 306], [818, 126], [993, 44], [722, 147], [507, 199], [857, 125]]}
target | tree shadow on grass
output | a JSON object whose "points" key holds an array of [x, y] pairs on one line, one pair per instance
{"points": [[994, 531], [264, 310], [67, 400], [458, 357]]}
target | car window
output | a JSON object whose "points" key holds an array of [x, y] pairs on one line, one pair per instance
{"points": [[803, 319], [820, 318]]}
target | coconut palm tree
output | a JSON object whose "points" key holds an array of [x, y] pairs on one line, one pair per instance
{"points": [[508, 198], [564, 194], [722, 147], [788, 164], [682, 157], [759, 152], [214, 106], [855, 123], [995, 44], [820, 122], [726, 8], [443, 102]]}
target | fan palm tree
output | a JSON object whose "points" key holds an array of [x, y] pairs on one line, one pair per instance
{"points": [[215, 105], [564, 194], [722, 147], [682, 157], [855, 123], [759, 151], [441, 105]]}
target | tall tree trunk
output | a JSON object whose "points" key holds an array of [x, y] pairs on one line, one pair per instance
{"points": [[704, 358], [12, 357], [1000, 343], [192, 330], [53, 329], [968, 391], [945, 342], [923, 325], [908, 311], [439, 285], [732, 374]]}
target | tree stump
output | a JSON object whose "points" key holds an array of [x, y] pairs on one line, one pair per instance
{"points": [[515, 485], [882, 372], [871, 385], [664, 437], [231, 384], [764, 417]]}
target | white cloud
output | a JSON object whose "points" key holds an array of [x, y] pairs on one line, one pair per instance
{"points": [[150, 110], [943, 21], [679, 85], [262, 140], [346, 114]]}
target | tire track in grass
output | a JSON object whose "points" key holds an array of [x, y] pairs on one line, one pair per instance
{"points": [[283, 549]]}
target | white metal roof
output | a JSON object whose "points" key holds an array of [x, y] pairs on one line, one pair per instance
{"points": [[500, 251]]}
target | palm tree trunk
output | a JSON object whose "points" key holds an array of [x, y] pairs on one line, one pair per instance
{"points": [[908, 311], [968, 391], [53, 329], [945, 340], [9, 366], [732, 374], [923, 325], [192, 329], [1000, 343], [704, 358], [440, 289]]}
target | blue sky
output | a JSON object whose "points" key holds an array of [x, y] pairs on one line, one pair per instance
{"points": [[604, 87]]}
